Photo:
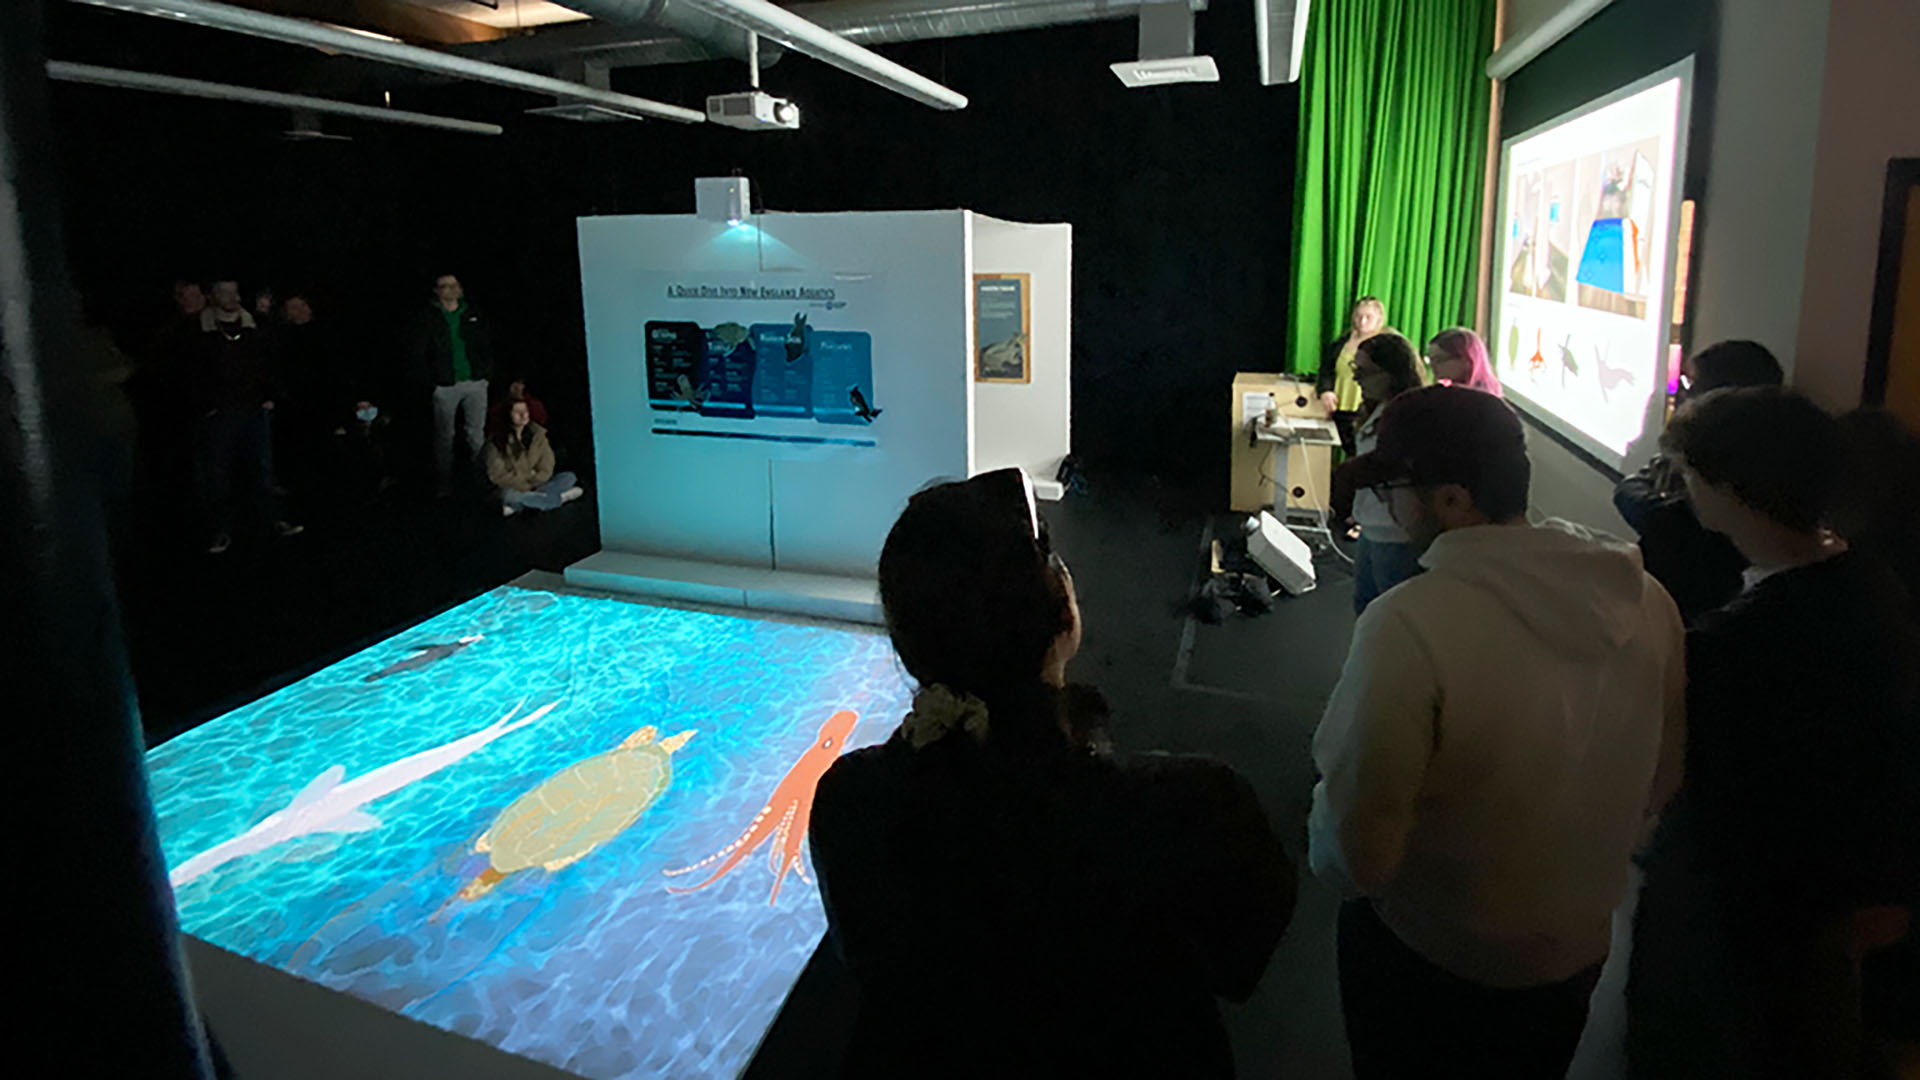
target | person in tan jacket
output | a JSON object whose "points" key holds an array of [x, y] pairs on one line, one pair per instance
{"points": [[520, 464]]}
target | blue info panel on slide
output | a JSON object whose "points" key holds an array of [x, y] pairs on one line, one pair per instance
{"points": [[759, 371]]}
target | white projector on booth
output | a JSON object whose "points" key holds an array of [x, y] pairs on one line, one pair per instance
{"points": [[1285, 557], [753, 110]]}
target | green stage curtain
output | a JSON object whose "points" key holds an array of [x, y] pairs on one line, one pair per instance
{"points": [[1387, 189]]}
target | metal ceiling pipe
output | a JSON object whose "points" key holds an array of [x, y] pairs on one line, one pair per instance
{"points": [[777, 24], [92, 75], [300, 32]]}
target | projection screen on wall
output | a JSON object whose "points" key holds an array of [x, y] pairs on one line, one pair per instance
{"points": [[1584, 254]]}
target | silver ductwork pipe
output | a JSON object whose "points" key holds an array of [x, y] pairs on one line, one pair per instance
{"points": [[677, 28], [863, 22], [890, 22], [613, 46], [94, 75], [301, 32], [777, 24]]}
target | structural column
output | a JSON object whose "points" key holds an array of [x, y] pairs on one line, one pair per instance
{"points": [[94, 937]]}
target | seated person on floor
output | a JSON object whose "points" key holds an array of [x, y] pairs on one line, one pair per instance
{"points": [[520, 465], [1008, 899]]}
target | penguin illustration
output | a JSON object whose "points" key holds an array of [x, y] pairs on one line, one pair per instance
{"points": [[686, 395], [860, 407], [797, 338]]}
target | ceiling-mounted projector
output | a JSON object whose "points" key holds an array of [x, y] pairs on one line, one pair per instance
{"points": [[1166, 48], [753, 110], [1172, 69]]}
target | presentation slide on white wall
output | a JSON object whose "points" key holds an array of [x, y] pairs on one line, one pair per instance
{"points": [[764, 358], [1582, 298]]}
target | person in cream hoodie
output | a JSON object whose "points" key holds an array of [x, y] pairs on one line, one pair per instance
{"points": [[1506, 727]]}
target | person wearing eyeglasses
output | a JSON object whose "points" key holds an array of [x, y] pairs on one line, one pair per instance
{"points": [[1503, 731], [1009, 899], [1700, 568], [1384, 367]]}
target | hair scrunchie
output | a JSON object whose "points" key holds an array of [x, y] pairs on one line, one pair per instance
{"points": [[938, 712]]}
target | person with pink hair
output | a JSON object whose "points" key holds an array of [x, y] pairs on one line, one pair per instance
{"points": [[1459, 358]]}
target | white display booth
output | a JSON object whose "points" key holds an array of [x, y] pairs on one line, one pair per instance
{"points": [[768, 393]]}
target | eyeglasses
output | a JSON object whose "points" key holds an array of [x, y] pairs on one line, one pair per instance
{"points": [[1384, 492]]}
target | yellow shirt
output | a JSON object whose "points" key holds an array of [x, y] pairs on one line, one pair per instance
{"points": [[1346, 389]]}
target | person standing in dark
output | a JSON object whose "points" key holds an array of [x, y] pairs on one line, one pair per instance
{"points": [[1008, 900], [1339, 391], [1504, 726], [162, 391], [305, 361], [1384, 367], [1797, 814], [1876, 509], [453, 346], [234, 398], [1700, 568]]}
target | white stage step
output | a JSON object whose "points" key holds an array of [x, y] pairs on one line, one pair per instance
{"points": [[821, 596]]}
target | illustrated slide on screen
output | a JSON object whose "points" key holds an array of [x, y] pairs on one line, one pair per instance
{"points": [[1579, 329], [764, 359]]}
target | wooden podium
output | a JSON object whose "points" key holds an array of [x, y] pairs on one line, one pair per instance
{"points": [[1309, 468]]}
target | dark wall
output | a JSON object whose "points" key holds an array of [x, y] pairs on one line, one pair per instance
{"points": [[1627, 40], [1180, 198]]}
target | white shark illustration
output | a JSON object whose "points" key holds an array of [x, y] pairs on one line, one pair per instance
{"points": [[326, 805]]}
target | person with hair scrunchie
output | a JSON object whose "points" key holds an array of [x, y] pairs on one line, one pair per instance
{"points": [[1009, 896]]}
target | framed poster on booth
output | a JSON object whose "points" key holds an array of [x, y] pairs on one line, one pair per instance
{"points": [[1003, 328]]}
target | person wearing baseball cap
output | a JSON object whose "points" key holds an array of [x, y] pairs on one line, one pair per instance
{"points": [[1504, 729]]}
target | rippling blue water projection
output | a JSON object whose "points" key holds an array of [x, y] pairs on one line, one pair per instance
{"points": [[473, 823]]}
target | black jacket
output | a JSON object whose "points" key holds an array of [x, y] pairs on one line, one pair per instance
{"points": [[1800, 804], [1329, 365], [1044, 911], [233, 370], [1800, 741], [433, 349], [1699, 568]]}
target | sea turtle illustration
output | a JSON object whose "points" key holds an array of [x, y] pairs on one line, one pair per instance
{"points": [[1004, 358], [581, 807]]}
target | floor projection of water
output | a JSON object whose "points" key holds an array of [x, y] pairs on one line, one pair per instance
{"points": [[568, 826]]}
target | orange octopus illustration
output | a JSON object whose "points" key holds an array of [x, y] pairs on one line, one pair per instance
{"points": [[784, 818]]}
